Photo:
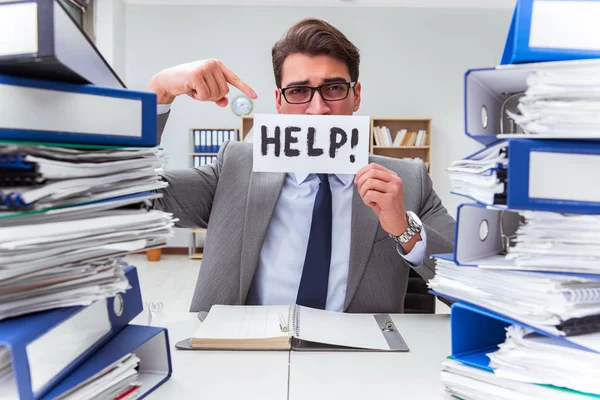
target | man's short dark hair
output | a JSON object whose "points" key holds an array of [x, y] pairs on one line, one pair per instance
{"points": [[315, 37]]}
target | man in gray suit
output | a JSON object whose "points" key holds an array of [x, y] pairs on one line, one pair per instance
{"points": [[336, 242]]}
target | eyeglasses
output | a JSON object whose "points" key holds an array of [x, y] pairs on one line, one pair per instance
{"points": [[335, 91]]}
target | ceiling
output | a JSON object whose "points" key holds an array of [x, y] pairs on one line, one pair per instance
{"points": [[340, 3]]}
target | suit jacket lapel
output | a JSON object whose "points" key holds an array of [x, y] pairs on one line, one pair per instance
{"points": [[263, 194], [363, 231]]}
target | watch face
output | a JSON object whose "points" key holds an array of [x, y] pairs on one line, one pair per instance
{"points": [[241, 105], [414, 218]]}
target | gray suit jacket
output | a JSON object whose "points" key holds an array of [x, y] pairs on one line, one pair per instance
{"points": [[237, 204]]}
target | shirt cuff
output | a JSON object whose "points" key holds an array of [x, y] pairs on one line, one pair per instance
{"points": [[417, 254], [163, 108]]}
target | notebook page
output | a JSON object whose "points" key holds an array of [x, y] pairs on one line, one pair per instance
{"points": [[243, 322], [340, 329]]}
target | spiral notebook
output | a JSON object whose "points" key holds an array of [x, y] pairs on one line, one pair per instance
{"points": [[293, 328]]}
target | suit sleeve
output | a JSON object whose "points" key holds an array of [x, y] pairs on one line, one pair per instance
{"points": [[190, 193], [161, 122], [437, 222]]}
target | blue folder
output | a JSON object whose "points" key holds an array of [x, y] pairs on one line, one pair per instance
{"points": [[488, 90], [46, 346], [45, 111], [476, 331], [553, 175], [485, 91], [149, 344], [51, 44], [540, 31], [479, 234]]}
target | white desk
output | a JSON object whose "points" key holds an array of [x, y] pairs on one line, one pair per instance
{"points": [[327, 375], [211, 375], [356, 375]]}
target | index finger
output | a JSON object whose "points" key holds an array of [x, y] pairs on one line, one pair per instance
{"points": [[235, 81]]}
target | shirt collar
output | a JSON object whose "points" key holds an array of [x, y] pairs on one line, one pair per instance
{"points": [[302, 176]]}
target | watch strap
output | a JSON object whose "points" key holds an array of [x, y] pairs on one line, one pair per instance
{"points": [[408, 234]]}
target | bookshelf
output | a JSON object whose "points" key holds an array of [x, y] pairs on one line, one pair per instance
{"points": [[193, 252], [395, 125], [204, 148], [247, 123]]}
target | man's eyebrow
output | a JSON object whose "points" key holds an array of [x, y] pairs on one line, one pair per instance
{"points": [[298, 83], [334, 79], [326, 80]]}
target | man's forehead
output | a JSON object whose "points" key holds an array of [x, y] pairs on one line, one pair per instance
{"points": [[313, 70]]}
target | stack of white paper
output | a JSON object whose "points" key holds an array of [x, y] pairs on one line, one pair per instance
{"points": [[27, 248], [562, 103], [8, 385], [553, 241], [477, 176], [466, 382], [69, 176], [542, 300], [119, 380], [68, 256], [62, 286], [528, 357]]}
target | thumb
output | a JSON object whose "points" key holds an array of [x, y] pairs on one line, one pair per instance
{"points": [[189, 89], [375, 207], [222, 102]]}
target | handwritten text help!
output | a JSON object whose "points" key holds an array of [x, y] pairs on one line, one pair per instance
{"points": [[310, 143]]}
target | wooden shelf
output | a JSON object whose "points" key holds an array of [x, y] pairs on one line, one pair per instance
{"points": [[411, 125], [203, 154], [197, 256], [247, 124], [402, 147], [198, 230], [403, 119]]}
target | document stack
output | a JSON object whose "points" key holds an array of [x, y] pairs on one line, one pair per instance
{"points": [[525, 272], [79, 171]]}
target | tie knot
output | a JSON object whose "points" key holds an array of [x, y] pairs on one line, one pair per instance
{"points": [[323, 177]]}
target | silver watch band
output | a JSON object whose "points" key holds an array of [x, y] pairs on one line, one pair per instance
{"points": [[414, 227]]}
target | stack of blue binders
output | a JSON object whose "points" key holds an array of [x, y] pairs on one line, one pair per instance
{"points": [[61, 105], [533, 174]]}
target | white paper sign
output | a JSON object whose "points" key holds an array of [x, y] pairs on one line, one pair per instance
{"points": [[310, 143]]}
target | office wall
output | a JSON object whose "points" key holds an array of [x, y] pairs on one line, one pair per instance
{"points": [[413, 61], [109, 16]]}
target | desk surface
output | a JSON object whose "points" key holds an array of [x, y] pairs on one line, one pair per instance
{"points": [[311, 375], [218, 374], [361, 375]]}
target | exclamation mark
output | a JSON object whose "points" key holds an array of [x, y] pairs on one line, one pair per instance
{"points": [[353, 143]]}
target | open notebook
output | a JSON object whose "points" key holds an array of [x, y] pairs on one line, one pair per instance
{"points": [[293, 327]]}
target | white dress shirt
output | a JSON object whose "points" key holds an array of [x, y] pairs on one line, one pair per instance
{"points": [[277, 277]]}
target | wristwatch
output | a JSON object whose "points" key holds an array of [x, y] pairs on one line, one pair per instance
{"points": [[414, 227]]}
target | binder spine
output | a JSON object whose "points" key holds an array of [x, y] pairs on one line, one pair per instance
{"points": [[10, 177], [16, 161], [296, 321], [14, 201], [583, 295], [15, 171]]}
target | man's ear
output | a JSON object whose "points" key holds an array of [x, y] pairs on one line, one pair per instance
{"points": [[278, 100], [357, 88]]}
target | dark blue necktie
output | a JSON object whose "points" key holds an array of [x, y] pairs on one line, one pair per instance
{"points": [[315, 274]]}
